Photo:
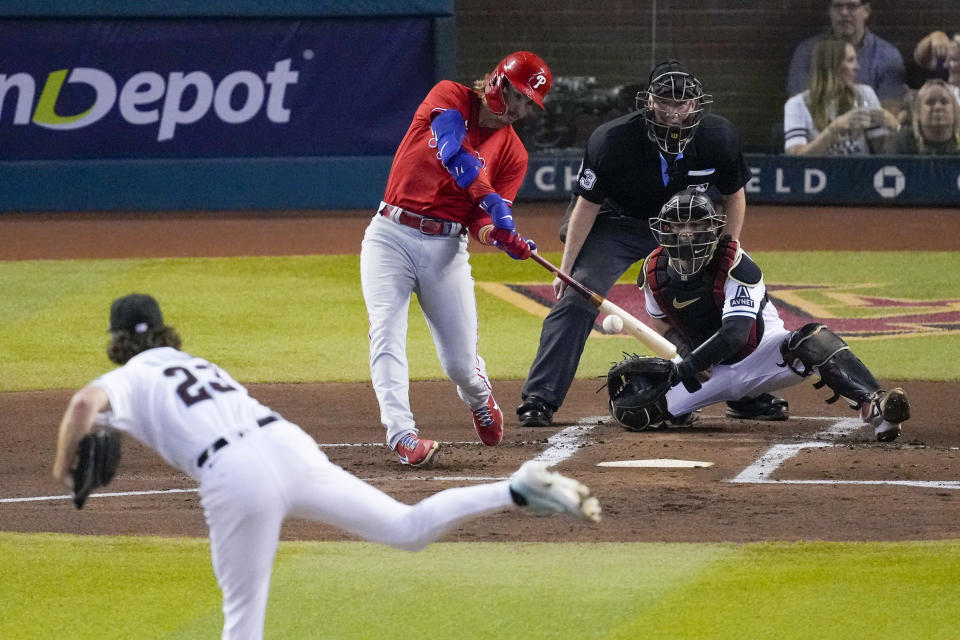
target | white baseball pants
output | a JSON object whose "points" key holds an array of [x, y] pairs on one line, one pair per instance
{"points": [[396, 262], [250, 486], [757, 373]]}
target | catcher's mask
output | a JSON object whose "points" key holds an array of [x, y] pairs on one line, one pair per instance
{"points": [[688, 228], [673, 105], [526, 72]]}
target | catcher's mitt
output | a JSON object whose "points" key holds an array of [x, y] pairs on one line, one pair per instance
{"points": [[637, 387], [98, 455]]}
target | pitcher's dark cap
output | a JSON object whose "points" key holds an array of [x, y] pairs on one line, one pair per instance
{"points": [[136, 313]]}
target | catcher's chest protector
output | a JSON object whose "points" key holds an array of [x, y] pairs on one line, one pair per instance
{"points": [[694, 307]]}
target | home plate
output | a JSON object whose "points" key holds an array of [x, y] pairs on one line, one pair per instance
{"points": [[660, 463]]}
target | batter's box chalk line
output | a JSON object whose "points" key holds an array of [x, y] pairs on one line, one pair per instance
{"points": [[766, 465]]}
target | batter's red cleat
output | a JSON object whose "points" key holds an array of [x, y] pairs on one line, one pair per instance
{"points": [[488, 421], [416, 451]]}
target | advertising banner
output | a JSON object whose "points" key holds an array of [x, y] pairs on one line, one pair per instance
{"points": [[168, 88], [875, 180]]}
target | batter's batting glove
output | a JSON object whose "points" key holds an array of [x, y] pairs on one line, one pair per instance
{"points": [[499, 211], [516, 246], [464, 167]]}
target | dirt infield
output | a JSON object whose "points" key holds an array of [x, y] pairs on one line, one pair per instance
{"points": [[54, 236], [814, 477]]}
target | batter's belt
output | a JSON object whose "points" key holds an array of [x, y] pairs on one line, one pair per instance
{"points": [[426, 226]]}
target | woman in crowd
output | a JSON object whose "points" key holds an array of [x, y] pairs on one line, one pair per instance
{"points": [[835, 116], [935, 127], [938, 56]]}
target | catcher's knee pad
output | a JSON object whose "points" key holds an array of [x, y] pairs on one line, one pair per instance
{"points": [[816, 349], [640, 418]]}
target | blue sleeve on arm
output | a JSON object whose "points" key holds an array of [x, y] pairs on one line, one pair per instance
{"points": [[464, 167], [499, 211], [449, 130]]}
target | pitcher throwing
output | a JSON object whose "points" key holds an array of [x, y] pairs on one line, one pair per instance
{"points": [[255, 469]]}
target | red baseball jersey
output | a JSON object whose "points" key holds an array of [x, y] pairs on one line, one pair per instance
{"points": [[419, 183]]}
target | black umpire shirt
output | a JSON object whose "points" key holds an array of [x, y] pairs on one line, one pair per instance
{"points": [[623, 172]]}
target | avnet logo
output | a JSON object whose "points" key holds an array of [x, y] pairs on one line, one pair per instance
{"points": [[148, 98]]}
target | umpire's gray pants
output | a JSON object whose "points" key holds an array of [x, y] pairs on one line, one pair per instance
{"points": [[611, 247]]}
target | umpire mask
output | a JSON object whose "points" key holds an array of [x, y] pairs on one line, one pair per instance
{"points": [[688, 228], [673, 106]]}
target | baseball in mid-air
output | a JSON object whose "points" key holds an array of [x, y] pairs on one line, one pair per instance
{"points": [[613, 324]]}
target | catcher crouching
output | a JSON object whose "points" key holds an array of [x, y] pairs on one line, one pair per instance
{"points": [[707, 296]]}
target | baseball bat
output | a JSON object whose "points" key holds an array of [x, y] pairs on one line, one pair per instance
{"points": [[657, 343]]}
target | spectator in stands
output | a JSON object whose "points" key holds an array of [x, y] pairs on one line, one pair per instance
{"points": [[953, 70], [935, 129], [835, 116], [931, 53], [938, 56], [881, 65]]}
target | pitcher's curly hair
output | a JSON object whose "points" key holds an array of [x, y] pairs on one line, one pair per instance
{"points": [[124, 345]]}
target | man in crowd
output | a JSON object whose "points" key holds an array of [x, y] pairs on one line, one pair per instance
{"points": [[881, 65]]}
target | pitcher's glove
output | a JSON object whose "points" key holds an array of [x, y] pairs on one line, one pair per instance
{"points": [[98, 456], [637, 386]]}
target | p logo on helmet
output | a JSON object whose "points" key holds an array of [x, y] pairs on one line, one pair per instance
{"points": [[526, 72]]}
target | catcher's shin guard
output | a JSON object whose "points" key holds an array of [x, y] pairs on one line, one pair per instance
{"points": [[816, 349]]}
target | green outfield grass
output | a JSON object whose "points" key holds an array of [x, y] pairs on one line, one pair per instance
{"points": [[129, 588], [302, 318]]}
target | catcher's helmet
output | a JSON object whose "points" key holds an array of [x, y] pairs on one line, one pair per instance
{"points": [[688, 228], [526, 72], [678, 97]]}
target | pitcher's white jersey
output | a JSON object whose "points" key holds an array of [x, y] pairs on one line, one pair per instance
{"points": [[177, 404], [254, 469]]}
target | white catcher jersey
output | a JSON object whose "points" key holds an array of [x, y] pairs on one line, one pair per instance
{"points": [[177, 404], [759, 372], [740, 299]]}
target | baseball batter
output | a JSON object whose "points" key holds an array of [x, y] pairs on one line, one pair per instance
{"points": [[631, 166], [455, 173], [708, 297], [254, 468]]}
